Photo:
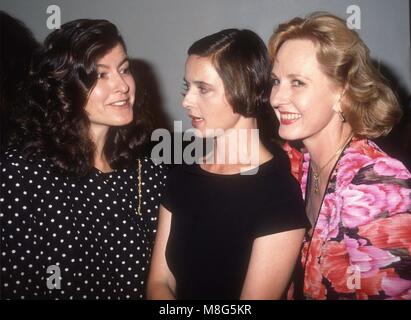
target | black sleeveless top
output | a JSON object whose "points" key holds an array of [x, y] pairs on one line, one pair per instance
{"points": [[215, 219]]}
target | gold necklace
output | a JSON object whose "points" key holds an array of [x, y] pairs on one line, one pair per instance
{"points": [[316, 175]]}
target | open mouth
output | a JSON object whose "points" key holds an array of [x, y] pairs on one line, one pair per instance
{"points": [[289, 117], [195, 121], [120, 104]]}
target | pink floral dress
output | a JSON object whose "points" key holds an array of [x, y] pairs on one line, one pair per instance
{"points": [[361, 243]]}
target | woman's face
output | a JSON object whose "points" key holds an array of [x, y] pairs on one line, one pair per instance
{"points": [[205, 98], [305, 100], [110, 102]]}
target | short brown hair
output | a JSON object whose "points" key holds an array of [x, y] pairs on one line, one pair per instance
{"points": [[369, 104], [242, 62]]}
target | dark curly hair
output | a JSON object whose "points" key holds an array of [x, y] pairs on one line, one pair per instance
{"points": [[55, 123]]}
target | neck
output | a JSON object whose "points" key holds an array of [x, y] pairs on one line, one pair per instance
{"points": [[324, 145], [324, 157], [240, 145], [238, 149], [99, 135]]}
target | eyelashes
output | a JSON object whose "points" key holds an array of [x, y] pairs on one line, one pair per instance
{"points": [[123, 71], [295, 82], [274, 81], [101, 75], [126, 70], [184, 89], [199, 88], [203, 90]]}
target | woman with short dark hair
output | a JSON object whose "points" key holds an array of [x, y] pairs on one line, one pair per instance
{"points": [[225, 221]]}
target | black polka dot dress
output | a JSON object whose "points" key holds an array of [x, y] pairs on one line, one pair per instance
{"points": [[76, 238]]}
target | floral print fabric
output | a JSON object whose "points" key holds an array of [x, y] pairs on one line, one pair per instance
{"points": [[361, 243]]}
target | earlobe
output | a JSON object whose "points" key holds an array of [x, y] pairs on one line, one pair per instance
{"points": [[337, 105], [337, 109], [341, 115]]}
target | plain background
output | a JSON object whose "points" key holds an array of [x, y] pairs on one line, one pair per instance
{"points": [[159, 32]]}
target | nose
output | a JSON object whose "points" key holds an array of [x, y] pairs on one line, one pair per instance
{"points": [[187, 102], [279, 95], [122, 84]]}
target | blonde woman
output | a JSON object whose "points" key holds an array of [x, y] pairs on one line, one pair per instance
{"points": [[327, 94]]}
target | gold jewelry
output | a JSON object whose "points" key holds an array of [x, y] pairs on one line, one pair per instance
{"points": [[341, 115], [139, 186], [316, 175]]}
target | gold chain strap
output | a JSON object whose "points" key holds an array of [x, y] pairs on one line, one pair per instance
{"points": [[139, 186]]}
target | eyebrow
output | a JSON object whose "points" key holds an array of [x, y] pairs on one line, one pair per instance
{"points": [[108, 67], [292, 75], [199, 83], [295, 75]]}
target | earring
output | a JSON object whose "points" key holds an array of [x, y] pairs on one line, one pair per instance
{"points": [[341, 115]]}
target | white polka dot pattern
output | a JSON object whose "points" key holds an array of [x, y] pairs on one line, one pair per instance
{"points": [[87, 226]]}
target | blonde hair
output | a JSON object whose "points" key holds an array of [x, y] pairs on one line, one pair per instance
{"points": [[368, 103]]}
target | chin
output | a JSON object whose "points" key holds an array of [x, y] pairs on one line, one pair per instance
{"points": [[122, 122], [290, 136], [201, 134]]}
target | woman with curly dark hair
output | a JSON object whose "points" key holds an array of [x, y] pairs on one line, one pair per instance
{"points": [[78, 204]]}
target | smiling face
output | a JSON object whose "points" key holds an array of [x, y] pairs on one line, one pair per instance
{"points": [[304, 98], [110, 102], [205, 98]]}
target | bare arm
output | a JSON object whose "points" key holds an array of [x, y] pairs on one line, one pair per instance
{"points": [[272, 261], [161, 284]]}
